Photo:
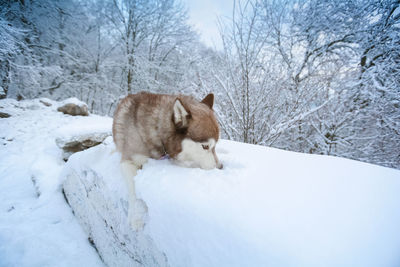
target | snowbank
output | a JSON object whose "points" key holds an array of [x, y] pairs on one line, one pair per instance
{"points": [[267, 207]]}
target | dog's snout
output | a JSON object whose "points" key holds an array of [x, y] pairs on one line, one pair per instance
{"points": [[220, 166]]}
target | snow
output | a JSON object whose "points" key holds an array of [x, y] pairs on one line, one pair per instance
{"points": [[37, 227], [267, 207], [85, 126]]}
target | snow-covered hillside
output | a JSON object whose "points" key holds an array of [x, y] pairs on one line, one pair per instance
{"points": [[267, 207]]}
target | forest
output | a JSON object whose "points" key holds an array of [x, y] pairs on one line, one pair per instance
{"points": [[312, 76]]}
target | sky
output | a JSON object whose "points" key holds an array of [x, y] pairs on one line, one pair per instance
{"points": [[203, 16]]}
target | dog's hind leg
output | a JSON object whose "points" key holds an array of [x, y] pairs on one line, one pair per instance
{"points": [[137, 210]]}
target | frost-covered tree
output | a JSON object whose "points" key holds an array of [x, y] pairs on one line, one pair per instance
{"points": [[261, 95], [46, 25], [350, 49], [311, 76], [379, 95], [10, 46], [148, 33]]}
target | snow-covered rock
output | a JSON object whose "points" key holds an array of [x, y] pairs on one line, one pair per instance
{"points": [[79, 143], [73, 106], [267, 207], [76, 136], [97, 194]]}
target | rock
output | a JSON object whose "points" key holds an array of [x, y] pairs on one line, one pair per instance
{"points": [[74, 107], [94, 188], [4, 115], [79, 142]]}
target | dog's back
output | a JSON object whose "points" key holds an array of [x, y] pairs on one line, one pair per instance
{"points": [[136, 124]]}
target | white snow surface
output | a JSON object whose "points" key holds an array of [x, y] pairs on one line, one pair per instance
{"points": [[85, 126], [37, 227], [267, 207]]}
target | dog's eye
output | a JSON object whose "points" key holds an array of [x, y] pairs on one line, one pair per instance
{"points": [[205, 147]]}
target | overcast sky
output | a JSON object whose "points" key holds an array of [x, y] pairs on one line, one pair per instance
{"points": [[203, 16]]}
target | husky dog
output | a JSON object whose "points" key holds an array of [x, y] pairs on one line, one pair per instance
{"points": [[153, 126]]}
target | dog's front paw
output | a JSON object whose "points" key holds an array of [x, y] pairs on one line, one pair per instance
{"points": [[138, 215]]}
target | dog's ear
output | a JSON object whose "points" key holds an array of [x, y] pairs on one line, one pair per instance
{"points": [[181, 115], [208, 100]]}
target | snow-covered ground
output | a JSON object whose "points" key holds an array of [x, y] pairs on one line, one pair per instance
{"points": [[267, 207], [37, 227]]}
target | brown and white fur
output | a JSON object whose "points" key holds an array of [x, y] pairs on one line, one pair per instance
{"points": [[152, 125]]}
